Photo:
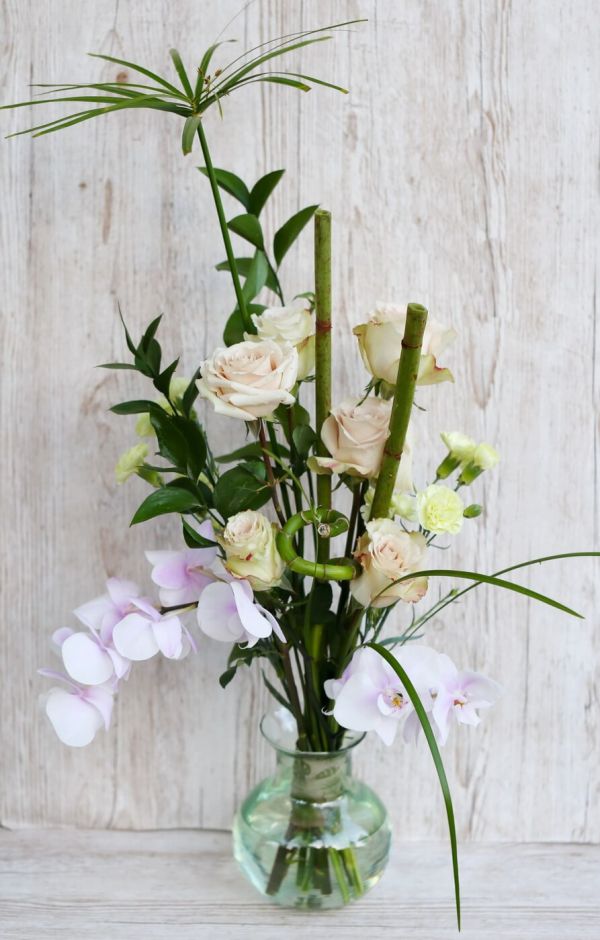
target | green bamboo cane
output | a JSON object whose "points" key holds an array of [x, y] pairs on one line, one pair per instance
{"points": [[323, 355], [408, 370]]}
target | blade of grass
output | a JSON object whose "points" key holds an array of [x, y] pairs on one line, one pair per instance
{"points": [[180, 69], [437, 760], [137, 68], [483, 579]]}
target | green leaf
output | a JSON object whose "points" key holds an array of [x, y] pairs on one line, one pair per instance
{"points": [[304, 438], [179, 68], [204, 63], [226, 677], [234, 329], [165, 500], [437, 760], [191, 393], [262, 190], [488, 579], [162, 382], [242, 487], [275, 693], [289, 232], [247, 226], [189, 132], [279, 80], [247, 452], [137, 407], [231, 184], [117, 365], [243, 266], [257, 276], [130, 344], [141, 70], [193, 539], [149, 334], [171, 443], [195, 441]]}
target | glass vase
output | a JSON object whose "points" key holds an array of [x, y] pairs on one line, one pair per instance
{"points": [[311, 835]]}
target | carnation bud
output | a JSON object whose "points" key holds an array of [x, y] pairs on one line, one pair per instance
{"points": [[472, 511]]}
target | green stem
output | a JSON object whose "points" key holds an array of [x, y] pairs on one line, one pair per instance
{"points": [[269, 471], [408, 370], [241, 300], [322, 355], [336, 524]]}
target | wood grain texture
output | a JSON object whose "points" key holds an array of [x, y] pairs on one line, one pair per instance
{"points": [[154, 884], [462, 172]]}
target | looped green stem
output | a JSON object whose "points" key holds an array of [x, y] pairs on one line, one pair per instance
{"points": [[324, 571]]}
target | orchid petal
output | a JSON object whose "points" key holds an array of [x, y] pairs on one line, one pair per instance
{"points": [[134, 638], [59, 636], [167, 633], [93, 612], [255, 623], [356, 705], [74, 720], [121, 592], [102, 699], [85, 661], [217, 613]]}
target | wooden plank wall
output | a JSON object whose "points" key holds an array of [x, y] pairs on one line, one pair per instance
{"points": [[462, 171]]}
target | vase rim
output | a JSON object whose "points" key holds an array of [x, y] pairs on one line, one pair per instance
{"points": [[283, 743]]}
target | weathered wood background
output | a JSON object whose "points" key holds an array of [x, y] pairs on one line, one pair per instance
{"points": [[462, 171]]}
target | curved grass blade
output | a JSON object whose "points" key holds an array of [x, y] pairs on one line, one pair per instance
{"points": [[437, 760], [484, 579], [179, 68], [118, 88], [233, 80], [138, 68], [283, 39], [523, 564]]}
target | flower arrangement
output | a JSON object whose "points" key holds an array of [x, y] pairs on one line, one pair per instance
{"points": [[269, 564]]}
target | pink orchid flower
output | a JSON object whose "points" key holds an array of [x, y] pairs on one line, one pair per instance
{"points": [[181, 575], [228, 612], [370, 697], [87, 659], [103, 613], [77, 713], [145, 632], [458, 695]]}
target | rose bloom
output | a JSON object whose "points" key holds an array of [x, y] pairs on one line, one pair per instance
{"points": [[250, 380], [440, 509], [250, 549], [355, 435], [293, 324], [380, 342], [386, 552]]}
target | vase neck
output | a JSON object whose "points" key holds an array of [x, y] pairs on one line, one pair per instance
{"points": [[316, 778]]}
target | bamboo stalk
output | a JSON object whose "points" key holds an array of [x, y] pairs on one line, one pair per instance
{"points": [[408, 370], [323, 354]]}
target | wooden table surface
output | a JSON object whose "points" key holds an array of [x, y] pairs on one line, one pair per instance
{"points": [[178, 885]]}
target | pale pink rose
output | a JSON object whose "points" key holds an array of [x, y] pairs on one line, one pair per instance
{"points": [[385, 553], [250, 380], [380, 343], [355, 434]]}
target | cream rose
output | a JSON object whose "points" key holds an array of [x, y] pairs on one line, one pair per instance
{"points": [[440, 509], [355, 434], [250, 379], [293, 324], [250, 551], [380, 342], [387, 552]]}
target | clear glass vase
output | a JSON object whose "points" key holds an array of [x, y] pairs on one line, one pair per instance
{"points": [[311, 835]]}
